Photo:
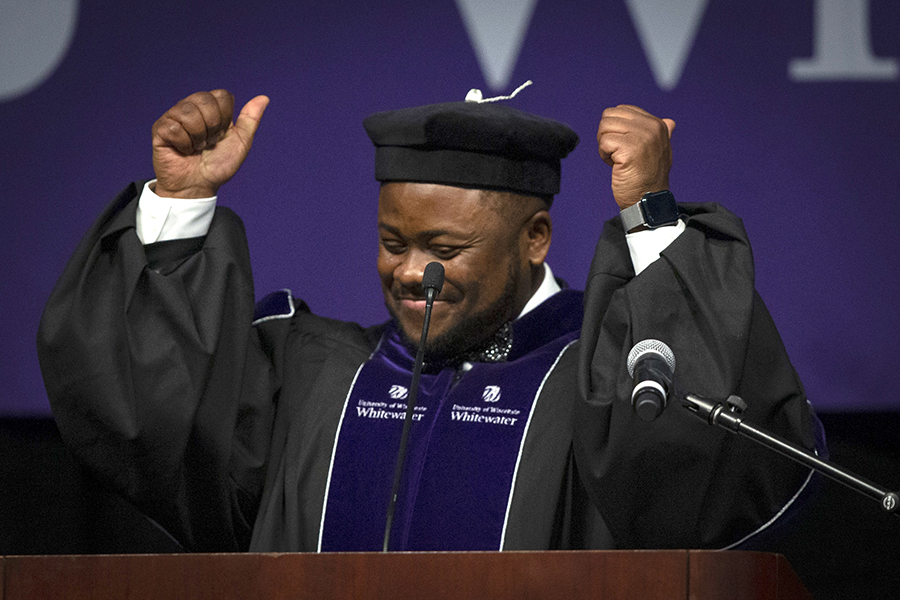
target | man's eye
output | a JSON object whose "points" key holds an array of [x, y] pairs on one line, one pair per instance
{"points": [[444, 252], [393, 246]]}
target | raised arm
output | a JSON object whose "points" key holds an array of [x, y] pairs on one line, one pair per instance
{"points": [[674, 482], [156, 378]]}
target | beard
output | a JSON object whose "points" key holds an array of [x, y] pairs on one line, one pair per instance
{"points": [[474, 330]]}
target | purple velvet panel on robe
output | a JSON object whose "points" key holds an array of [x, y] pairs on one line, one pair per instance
{"points": [[464, 444]]}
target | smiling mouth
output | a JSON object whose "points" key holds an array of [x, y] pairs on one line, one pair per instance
{"points": [[417, 304]]}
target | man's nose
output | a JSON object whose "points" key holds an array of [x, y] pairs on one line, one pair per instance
{"points": [[411, 269]]}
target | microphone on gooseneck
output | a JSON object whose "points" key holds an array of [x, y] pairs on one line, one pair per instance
{"points": [[652, 366], [432, 282]]}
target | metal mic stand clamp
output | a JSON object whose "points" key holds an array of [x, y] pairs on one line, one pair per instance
{"points": [[728, 415]]}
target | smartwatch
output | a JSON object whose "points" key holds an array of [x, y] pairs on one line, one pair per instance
{"points": [[653, 210]]}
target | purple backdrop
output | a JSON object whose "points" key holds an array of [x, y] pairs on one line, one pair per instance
{"points": [[787, 113]]}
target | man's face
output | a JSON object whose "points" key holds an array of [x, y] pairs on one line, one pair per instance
{"points": [[487, 278]]}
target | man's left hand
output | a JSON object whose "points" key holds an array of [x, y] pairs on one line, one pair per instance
{"points": [[636, 145]]}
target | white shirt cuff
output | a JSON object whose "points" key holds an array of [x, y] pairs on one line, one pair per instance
{"points": [[645, 246], [163, 219]]}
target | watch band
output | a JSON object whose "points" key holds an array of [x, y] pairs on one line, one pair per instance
{"points": [[653, 210]]}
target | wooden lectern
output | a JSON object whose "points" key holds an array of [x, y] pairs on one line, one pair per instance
{"points": [[607, 575]]}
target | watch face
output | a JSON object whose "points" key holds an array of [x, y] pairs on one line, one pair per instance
{"points": [[659, 209]]}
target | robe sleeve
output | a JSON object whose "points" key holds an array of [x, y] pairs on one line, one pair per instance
{"points": [[677, 482], [156, 378]]}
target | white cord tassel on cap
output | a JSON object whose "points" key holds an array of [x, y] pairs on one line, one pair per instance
{"points": [[474, 94]]}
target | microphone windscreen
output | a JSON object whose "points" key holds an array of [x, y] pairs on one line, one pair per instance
{"points": [[433, 277], [645, 347]]}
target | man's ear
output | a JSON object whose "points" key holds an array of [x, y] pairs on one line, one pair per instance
{"points": [[537, 233]]}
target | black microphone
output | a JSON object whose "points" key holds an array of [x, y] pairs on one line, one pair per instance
{"points": [[432, 282], [652, 366]]}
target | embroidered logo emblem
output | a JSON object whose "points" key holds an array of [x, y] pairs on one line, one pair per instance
{"points": [[491, 393], [398, 392]]}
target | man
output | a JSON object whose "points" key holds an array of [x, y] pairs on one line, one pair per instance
{"points": [[278, 432]]}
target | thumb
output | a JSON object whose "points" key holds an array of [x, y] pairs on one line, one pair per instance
{"points": [[670, 124], [248, 121]]}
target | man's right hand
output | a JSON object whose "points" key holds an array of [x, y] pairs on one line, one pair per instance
{"points": [[196, 147]]}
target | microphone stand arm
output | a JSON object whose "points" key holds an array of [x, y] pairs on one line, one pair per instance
{"points": [[407, 421], [727, 415]]}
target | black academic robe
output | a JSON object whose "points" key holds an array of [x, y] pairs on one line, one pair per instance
{"points": [[222, 431]]}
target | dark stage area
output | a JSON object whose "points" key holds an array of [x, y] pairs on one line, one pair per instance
{"points": [[842, 546]]}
